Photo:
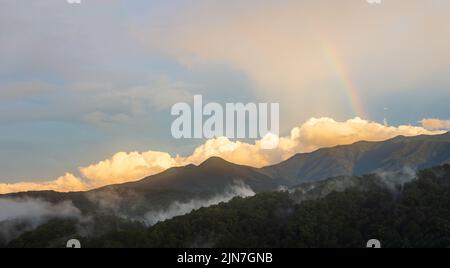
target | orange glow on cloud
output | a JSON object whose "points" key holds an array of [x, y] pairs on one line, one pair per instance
{"points": [[314, 134], [434, 124]]}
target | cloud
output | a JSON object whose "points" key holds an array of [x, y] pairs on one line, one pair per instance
{"points": [[123, 167], [392, 180], [433, 124], [105, 104], [13, 209], [305, 54], [313, 134], [291, 52], [176, 209], [326, 132], [65, 183], [23, 89], [20, 215], [163, 93]]}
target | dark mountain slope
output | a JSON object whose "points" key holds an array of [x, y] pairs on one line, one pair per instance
{"points": [[216, 175], [213, 175], [416, 214], [364, 157], [180, 184]]}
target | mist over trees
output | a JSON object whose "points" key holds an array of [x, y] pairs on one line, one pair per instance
{"points": [[416, 214]]}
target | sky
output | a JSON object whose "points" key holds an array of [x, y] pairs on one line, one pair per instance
{"points": [[86, 89]]}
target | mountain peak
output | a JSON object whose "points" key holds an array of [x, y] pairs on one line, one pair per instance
{"points": [[215, 161]]}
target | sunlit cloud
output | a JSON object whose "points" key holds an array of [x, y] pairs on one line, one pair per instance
{"points": [[66, 183], [104, 79], [433, 124], [313, 134], [123, 167]]}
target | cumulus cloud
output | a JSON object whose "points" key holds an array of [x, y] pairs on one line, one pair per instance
{"points": [[123, 167], [433, 124], [292, 52], [65, 183], [313, 134], [326, 132]]}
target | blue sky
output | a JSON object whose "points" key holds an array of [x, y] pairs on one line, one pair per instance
{"points": [[79, 83]]}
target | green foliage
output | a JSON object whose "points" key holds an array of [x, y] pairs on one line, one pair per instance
{"points": [[49, 234], [417, 215]]}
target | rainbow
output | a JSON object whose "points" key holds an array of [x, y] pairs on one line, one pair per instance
{"points": [[348, 85]]}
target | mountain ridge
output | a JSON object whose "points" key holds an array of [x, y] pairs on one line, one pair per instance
{"points": [[339, 212], [364, 157], [215, 174]]}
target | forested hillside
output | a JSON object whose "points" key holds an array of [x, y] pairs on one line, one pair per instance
{"points": [[416, 214]]}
